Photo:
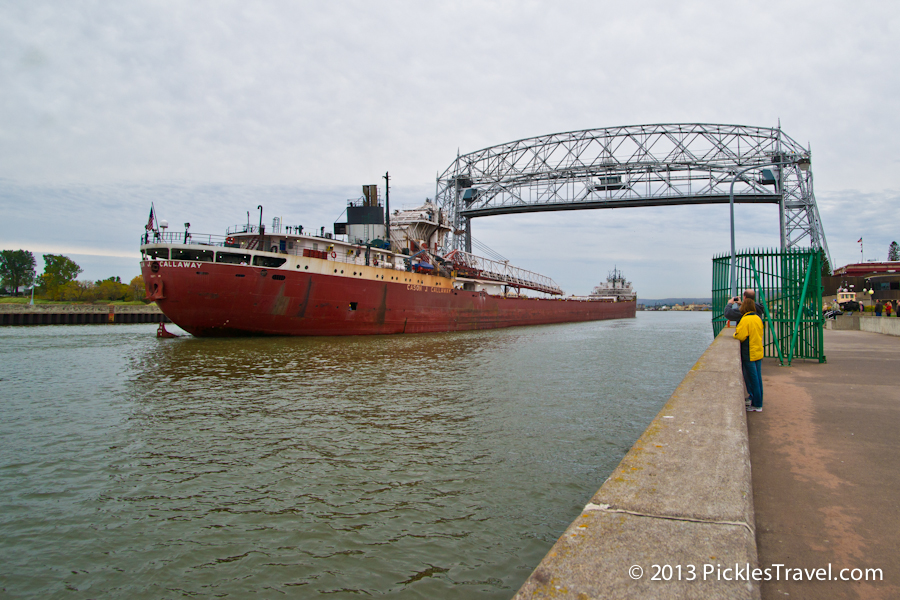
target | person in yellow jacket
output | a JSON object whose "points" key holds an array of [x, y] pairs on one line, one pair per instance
{"points": [[749, 331]]}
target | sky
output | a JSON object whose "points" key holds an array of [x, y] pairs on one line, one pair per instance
{"points": [[208, 109]]}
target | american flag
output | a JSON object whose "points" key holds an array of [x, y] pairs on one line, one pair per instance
{"points": [[150, 224]]}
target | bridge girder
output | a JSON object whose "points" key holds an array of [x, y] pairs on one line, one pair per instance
{"points": [[631, 166]]}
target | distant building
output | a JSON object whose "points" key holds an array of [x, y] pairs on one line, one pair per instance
{"points": [[883, 278], [867, 269]]}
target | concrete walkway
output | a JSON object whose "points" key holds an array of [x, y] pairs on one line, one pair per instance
{"points": [[825, 456]]}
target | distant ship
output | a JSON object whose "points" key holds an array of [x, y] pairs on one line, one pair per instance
{"points": [[615, 287], [377, 273]]}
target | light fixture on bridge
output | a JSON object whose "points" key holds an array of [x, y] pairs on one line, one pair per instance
{"points": [[803, 163]]}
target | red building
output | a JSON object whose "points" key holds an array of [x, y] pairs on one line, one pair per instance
{"points": [[881, 277], [867, 269]]}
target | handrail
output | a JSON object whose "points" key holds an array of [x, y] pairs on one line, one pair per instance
{"points": [[182, 237], [503, 272]]}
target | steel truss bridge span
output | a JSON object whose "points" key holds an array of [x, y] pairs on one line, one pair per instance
{"points": [[634, 166]]}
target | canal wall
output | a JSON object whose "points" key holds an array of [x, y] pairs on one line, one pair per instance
{"points": [[870, 323], [79, 314], [678, 508], [885, 325]]}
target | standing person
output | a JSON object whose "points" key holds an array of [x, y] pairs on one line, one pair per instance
{"points": [[750, 330], [888, 307], [733, 308], [733, 313], [878, 308]]}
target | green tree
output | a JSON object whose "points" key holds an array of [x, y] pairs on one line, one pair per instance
{"points": [[138, 290], [826, 266], [58, 271], [16, 269], [112, 289], [894, 251], [78, 291]]}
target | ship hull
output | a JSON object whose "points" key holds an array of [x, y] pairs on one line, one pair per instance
{"points": [[213, 299]]}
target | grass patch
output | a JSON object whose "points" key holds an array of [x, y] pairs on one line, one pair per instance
{"points": [[20, 300]]}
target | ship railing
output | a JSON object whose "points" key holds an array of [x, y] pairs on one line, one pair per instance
{"points": [[354, 258], [502, 271], [182, 237], [235, 229]]}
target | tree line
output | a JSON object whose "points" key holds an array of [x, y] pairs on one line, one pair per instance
{"points": [[59, 281]]}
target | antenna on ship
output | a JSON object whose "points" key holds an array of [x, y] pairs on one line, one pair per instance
{"points": [[387, 208]]}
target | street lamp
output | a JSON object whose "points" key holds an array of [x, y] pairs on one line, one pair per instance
{"points": [[802, 163]]}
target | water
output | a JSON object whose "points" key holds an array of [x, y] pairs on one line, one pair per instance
{"points": [[421, 466]]}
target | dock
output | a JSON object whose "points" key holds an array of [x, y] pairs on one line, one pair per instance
{"points": [[801, 500], [79, 314]]}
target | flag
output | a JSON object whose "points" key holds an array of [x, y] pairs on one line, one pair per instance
{"points": [[150, 224], [859, 241]]}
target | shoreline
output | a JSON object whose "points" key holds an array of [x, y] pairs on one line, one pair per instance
{"points": [[79, 314]]}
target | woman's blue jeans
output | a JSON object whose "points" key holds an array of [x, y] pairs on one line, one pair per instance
{"points": [[753, 381]]}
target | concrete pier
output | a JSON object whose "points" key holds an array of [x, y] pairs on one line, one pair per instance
{"points": [[676, 517], [818, 518], [79, 314]]}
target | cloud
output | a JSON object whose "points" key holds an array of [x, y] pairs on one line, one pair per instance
{"points": [[209, 109], [849, 215], [665, 251]]}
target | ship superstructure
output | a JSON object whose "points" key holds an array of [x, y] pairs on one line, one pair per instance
{"points": [[616, 287]]}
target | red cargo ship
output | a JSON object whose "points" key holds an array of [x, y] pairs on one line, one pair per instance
{"points": [[287, 282]]}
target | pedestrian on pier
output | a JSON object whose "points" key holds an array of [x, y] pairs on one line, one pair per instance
{"points": [[750, 332], [888, 307], [878, 308], [733, 313], [733, 308]]}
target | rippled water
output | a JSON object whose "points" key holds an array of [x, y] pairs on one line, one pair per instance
{"points": [[420, 466]]}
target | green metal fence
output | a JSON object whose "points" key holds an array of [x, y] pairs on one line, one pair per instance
{"points": [[789, 285]]}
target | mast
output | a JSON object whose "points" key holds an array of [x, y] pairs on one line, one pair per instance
{"points": [[387, 209]]}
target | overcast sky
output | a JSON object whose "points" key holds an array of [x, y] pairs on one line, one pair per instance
{"points": [[208, 109]]}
